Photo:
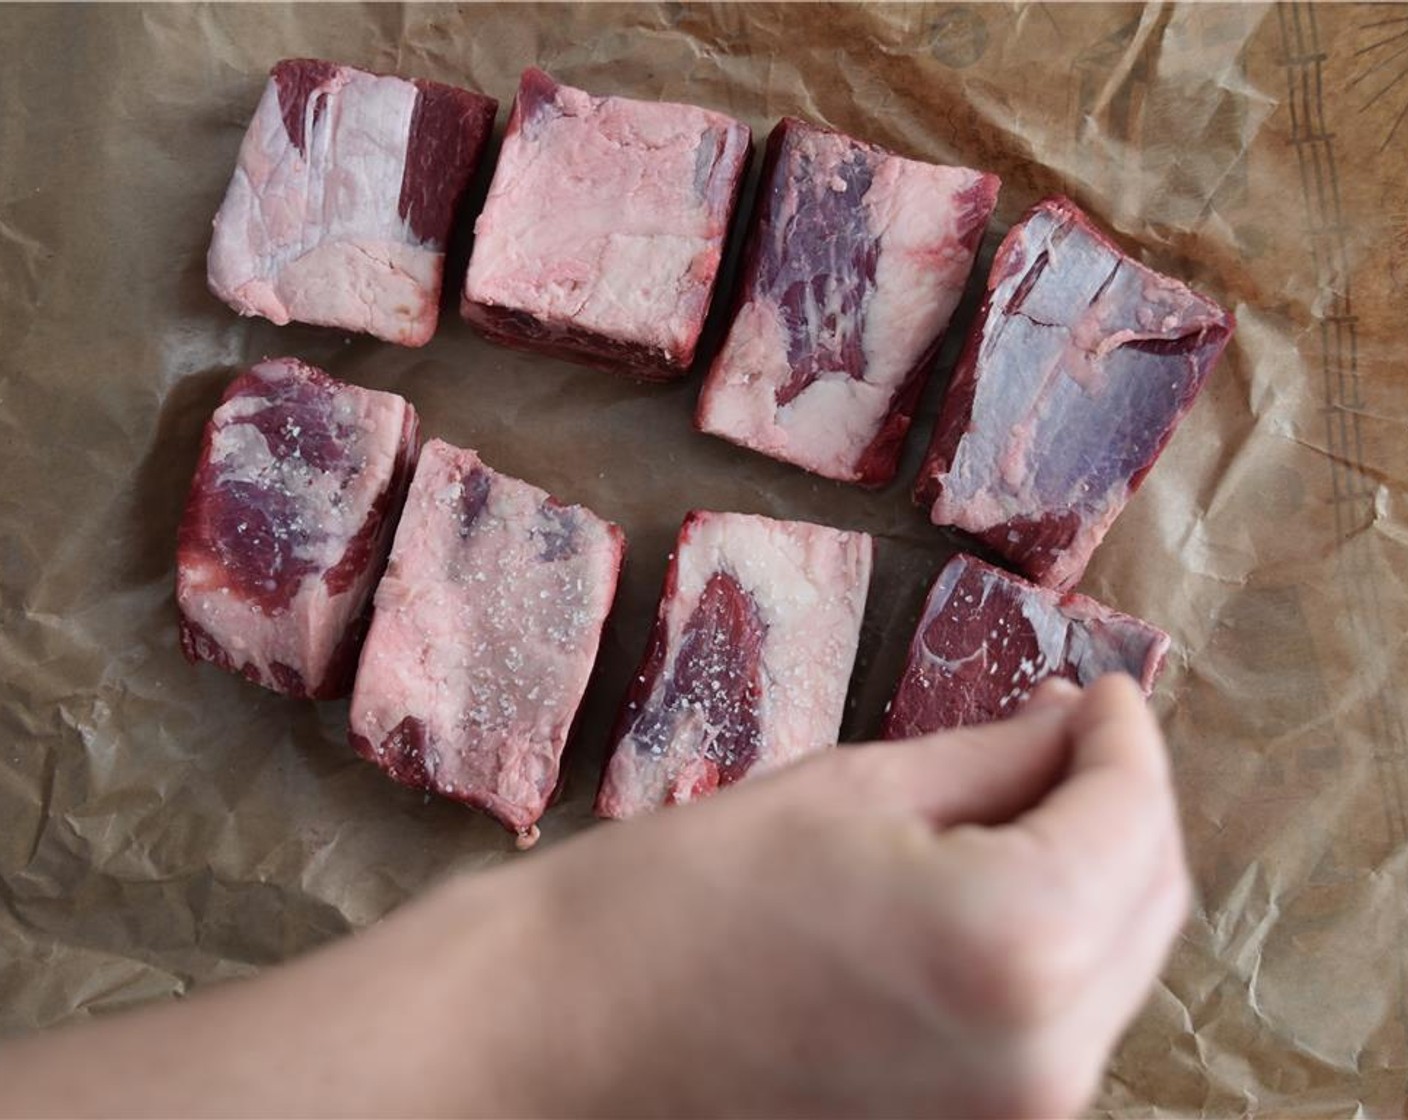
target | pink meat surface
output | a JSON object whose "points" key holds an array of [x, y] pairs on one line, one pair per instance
{"points": [[1079, 367], [987, 638], [749, 660], [856, 260], [604, 228], [288, 523], [483, 637], [341, 203]]}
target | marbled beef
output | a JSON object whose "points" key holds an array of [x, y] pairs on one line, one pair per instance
{"points": [[483, 636], [748, 663], [1079, 367], [604, 228], [341, 204], [986, 639], [290, 516], [856, 260]]}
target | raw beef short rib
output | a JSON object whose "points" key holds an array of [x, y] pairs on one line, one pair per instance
{"points": [[340, 207], [749, 660], [604, 228], [286, 530], [987, 638], [855, 262], [1079, 367], [483, 637]]}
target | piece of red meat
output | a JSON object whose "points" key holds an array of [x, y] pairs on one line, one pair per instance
{"points": [[604, 228], [855, 261], [290, 516], [1079, 367], [341, 204], [987, 638], [483, 637], [749, 660]]}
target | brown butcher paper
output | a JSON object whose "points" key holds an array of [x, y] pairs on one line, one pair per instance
{"points": [[163, 826]]}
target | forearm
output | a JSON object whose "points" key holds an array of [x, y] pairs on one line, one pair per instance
{"points": [[419, 1015]]}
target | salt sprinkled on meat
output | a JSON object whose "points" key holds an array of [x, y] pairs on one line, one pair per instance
{"points": [[288, 523], [748, 664], [485, 635]]}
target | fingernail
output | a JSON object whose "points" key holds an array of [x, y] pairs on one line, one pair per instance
{"points": [[1052, 693]]}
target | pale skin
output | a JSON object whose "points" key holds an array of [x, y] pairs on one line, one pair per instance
{"points": [[960, 925]]}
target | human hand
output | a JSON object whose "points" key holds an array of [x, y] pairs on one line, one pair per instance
{"points": [[959, 925]]}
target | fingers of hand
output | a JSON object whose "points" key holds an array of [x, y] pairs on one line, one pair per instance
{"points": [[1134, 955], [1053, 692], [1078, 1039], [1045, 904], [1101, 831], [981, 775]]}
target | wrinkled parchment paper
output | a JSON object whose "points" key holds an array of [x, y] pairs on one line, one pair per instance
{"points": [[162, 827]]}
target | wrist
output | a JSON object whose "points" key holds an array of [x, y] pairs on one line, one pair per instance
{"points": [[510, 999]]}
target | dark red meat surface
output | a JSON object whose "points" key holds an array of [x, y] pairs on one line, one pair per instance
{"points": [[987, 638], [1079, 367]]}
